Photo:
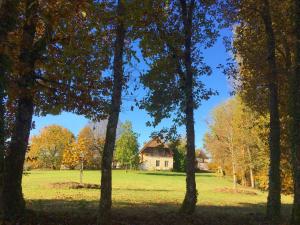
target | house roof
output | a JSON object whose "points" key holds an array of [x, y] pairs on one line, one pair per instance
{"points": [[155, 143], [201, 154]]}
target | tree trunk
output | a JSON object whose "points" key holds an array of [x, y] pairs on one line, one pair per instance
{"points": [[251, 168], [2, 138], [274, 198], [8, 17], [222, 171], [244, 180], [81, 172], [295, 117], [14, 204], [233, 159], [252, 177], [190, 200], [104, 214], [234, 175]]}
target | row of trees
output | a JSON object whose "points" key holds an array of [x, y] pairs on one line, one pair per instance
{"points": [[69, 55], [238, 143], [56, 146], [266, 73]]}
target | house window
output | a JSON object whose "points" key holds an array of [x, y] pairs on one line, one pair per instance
{"points": [[157, 163], [166, 163]]}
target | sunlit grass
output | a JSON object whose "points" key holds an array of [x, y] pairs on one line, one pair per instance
{"points": [[136, 188]]}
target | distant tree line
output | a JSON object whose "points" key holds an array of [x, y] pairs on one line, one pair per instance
{"points": [[70, 56], [237, 141], [265, 73], [56, 147]]}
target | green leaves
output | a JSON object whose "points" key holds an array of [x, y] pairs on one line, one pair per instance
{"points": [[126, 152], [163, 46]]}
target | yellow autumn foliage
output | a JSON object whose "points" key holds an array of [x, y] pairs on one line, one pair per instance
{"points": [[46, 149], [77, 152]]}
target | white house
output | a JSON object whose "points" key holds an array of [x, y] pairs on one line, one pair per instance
{"points": [[156, 155]]}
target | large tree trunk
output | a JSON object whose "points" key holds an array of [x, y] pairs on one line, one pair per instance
{"points": [[190, 200], [295, 117], [14, 204], [8, 10], [104, 215], [2, 127], [2, 139], [274, 198]]}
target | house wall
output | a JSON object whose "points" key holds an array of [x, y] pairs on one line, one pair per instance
{"points": [[149, 163], [202, 164]]}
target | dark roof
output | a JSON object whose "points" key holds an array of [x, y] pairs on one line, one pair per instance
{"points": [[156, 144]]}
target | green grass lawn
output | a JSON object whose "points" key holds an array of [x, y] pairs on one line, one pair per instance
{"points": [[137, 192]]}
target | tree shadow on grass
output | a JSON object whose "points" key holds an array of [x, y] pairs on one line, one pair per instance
{"points": [[71, 212], [75, 185], [143, 189], [168, 174]]}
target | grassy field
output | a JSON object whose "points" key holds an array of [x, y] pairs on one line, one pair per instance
{"points": [[140, 196]]}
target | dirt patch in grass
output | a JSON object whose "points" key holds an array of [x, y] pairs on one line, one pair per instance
{"points": [[74, 185], [236, 191]]}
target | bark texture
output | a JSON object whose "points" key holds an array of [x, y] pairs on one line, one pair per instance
{"points": [[295, 117], [8, 11], [14, 204], [274, 198], [2, 142], [104, 214], [190, 199]]}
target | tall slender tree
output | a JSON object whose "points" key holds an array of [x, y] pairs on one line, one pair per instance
{"points": [[259, 21], [104, 215], [172, 43], [190, 199], [274, 194], [294, 82]]}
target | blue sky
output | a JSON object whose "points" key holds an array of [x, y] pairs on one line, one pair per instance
{"points": [[213, 57]]}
